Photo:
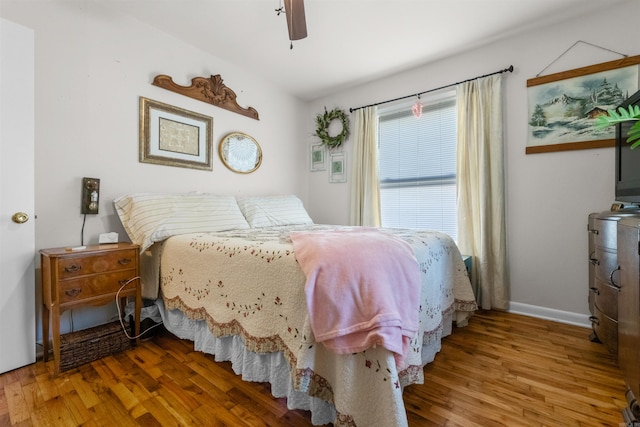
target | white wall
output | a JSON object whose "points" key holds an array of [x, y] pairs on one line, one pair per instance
{"points": [[91, 68], [549, 196]]}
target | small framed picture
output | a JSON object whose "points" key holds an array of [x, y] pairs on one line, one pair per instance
{"points": [[318, 155], [172, 136], [337, 165]]}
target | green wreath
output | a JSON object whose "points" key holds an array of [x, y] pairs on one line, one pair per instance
{"points": [[323, 121]]}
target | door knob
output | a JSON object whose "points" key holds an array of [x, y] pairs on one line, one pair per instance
{"points": [[20, 217]]}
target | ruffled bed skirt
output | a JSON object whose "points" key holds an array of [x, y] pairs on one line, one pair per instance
{"points": [[273, 367]]}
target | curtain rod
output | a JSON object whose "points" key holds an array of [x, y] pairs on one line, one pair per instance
{"points": [[509, 69]]}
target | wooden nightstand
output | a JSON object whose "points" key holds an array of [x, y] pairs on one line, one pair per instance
{"points": [[91, 276]]}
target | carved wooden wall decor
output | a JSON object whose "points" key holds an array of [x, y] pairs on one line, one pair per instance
{"points": [[210, 90]]}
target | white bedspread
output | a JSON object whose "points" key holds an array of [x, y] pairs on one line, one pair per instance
{"points": [[248, 283]]}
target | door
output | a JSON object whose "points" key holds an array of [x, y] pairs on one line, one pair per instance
{"points": [[17, 222]]}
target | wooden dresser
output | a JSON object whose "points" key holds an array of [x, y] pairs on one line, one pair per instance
{"points": [[91, 276], [629, 314], [604, 277]]}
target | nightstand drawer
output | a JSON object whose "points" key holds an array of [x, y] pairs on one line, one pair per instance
{"points": [[100, 263], [93, 286]]}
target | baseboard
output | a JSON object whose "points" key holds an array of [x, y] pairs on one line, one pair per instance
{"points": [[567, 317]]}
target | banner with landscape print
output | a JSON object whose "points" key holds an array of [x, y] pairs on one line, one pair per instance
{"points": [[563, 107]]}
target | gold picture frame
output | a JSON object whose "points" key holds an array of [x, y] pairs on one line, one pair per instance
{"points": [[240, 152], [173, 136], [563, 106]]}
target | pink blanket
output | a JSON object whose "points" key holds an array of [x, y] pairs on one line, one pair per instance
{"points": [[362, 289]]}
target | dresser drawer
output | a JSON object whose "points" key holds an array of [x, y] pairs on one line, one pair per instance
{"points": [[592, 297], [606, 298], [606, 330], [606, 266], [606, 233], [99, 263], [94, 286]]}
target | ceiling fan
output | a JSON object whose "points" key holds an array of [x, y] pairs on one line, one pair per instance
{"points": [[296, 22]]}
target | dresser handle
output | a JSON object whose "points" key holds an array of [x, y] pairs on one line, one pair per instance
{"points": [[124, 261], [594, 261], [73, 268], [611, 277], [594, 319], [595, 291], [73, 292]]}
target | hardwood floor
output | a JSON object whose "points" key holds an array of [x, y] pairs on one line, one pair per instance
{"points": [[501, 370]]}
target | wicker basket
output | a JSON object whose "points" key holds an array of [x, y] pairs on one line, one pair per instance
{"points": [[87, 345]]}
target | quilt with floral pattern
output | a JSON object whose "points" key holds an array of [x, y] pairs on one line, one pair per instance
{"points": [[248, 283]]}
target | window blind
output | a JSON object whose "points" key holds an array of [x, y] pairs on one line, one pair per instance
{"points": [[417, 168]]}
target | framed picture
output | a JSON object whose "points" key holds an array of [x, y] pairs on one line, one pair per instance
{"points": [[318, 154], [240, 152], [337, 165], [563, 107], [172, 136]]}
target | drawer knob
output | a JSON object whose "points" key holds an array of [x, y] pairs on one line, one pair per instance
{"points": [[124, 261], [594, 320], [595, 291], [73, 292], [594, 261], [73, 268]]}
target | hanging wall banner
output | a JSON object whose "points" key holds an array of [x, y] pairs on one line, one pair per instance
{"points": [[563, 107]]}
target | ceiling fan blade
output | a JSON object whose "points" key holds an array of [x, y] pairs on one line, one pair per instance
{"points": [[296, 21]]}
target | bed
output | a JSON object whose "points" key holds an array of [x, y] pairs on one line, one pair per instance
{"points": [[225, 274]]}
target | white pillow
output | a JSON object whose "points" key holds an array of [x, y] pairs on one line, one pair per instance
{"points": [[269, 211], [152, 217]]}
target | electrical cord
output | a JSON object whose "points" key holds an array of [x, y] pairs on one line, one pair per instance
{"points": [[82, 230], [124, 328]]}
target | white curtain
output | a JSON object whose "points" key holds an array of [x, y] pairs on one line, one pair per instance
{"points": [[481, 199], [365, 189]]}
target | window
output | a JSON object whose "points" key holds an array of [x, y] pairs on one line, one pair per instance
{"points": [[417, 166]]}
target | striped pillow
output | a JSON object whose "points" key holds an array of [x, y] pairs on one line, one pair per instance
{"points": [[269, 211], [153, 217]]}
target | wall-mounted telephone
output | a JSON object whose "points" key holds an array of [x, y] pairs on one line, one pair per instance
{"points": [[90, 195]]}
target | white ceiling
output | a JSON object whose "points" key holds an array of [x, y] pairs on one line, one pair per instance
{"points": [[349, 41]]}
